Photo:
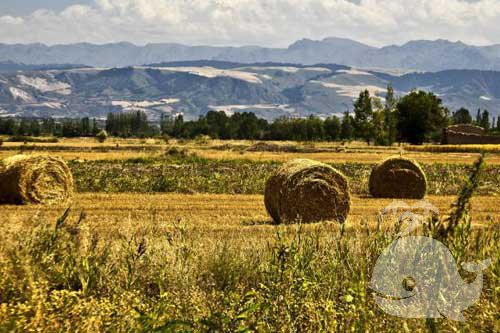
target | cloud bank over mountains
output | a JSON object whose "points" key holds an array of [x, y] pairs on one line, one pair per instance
{"points": [[274, 23]]}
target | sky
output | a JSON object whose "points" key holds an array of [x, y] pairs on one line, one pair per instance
{"points": [[272, 23]]}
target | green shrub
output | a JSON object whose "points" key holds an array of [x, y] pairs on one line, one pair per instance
{"points": [[101, 136]]}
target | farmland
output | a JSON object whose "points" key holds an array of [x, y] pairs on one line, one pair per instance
{"points": [[175, 237]]}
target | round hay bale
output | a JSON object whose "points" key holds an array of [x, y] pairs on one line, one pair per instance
{"points": [[307, 191], [34, 180], [398, 178]]}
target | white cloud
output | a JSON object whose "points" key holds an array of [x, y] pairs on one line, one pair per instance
{"points": [[262, 22], [9, 20]]}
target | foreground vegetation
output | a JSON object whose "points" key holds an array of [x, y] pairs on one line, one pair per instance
{"points": [[146, 273]]}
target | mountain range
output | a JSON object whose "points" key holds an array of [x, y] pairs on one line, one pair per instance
{"points": [[421, 55], [192, 88]]}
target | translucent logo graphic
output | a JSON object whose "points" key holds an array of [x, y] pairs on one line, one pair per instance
{"points": [[417, 276]]}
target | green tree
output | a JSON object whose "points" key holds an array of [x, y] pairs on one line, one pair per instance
{"points": [[478, 117], [347, 128], [246, 125], [462, 116], [218, 125], [421, 116], [95, 127], [485, 120], [48, 127], [314, 128], [363, 117], [9, 127], [390, 119], [35, 129], [380, 128], [178, 126], [332, 127], [85, 129], [24, 127]]}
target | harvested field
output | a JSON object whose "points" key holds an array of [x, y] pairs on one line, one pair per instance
{"points": [[88, 149], [179, 239], [215, 212]]}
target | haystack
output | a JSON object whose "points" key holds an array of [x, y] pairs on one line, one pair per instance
{"points": [[34, 179], [307, 191], [398, 178]]}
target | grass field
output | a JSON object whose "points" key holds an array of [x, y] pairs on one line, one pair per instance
{"points": [[182, 243]]}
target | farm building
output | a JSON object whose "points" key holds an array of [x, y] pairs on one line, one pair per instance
{"points": [[464, 134]]}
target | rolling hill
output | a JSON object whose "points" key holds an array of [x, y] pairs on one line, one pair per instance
{"points": [[270, 90]]}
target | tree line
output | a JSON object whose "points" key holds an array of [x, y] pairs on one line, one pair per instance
{"points": [[84, 127], [415, 118], [127, 124]]}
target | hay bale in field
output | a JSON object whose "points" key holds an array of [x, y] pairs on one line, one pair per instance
{"points": [[28, 179], [307, 191], [398, 178]]}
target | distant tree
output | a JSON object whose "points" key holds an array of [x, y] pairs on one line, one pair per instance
{"points": [[314, 129], [390, 98], [380, 128], [48, 127], [178, 126], [363, 116], [218, 125], [390, 120], [8, 126], [347, 128], [110, 124], [24, 127], [35, 128], [95, 127], [12, 127], [71, 128], [332, 127], [462, 116], [128, 124], [421, 116], [478, 117], [246, 125], [485, 120], [280, 129], [85, 128], [167, 125]]}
